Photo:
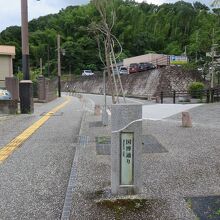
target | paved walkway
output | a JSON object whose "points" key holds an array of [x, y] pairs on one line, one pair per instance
{"points": [[161, 111], [188, 167], [35, 180]]}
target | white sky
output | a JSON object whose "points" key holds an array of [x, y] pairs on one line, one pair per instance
{"points": [[10, 9]]}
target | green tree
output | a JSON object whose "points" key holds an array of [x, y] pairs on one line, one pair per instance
{"points": [[140, 27]]}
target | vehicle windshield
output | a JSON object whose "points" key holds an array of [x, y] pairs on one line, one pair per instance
{"points": [[133, 64], [88, 71]]}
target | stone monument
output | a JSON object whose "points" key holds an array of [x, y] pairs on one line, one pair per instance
{"points": [[186, 120], [126, 149]]}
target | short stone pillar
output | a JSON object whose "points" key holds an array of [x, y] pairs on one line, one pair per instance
{"points": [[97, 110], [8, 106], [41, 88], [12, 85], [26, 96], [157, 99], [186, 120], [104, 116], [126, 149]]}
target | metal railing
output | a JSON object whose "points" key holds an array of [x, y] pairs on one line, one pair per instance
{"points": [[202, 96]]}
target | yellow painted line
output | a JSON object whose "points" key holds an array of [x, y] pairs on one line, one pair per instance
{"points": [[8, 149]]}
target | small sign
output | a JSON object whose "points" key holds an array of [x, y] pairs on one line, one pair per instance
{"points": [[173, 58], [178, 59], [127, 146]]}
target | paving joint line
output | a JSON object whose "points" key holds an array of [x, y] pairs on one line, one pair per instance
{"points": [[67, 207]]}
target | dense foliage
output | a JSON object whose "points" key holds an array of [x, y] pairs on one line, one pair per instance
{"points": [[196, 89], [140, 27]]}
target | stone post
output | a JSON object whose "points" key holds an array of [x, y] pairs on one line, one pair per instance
{"points": [[186, 120], [104, 116], [157, 99], [126, 149], [97, 110], [8, 106], [26, 96], [41, 88], [12, 85]]}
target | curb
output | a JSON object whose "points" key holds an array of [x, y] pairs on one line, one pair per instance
{"points": [[67, 207], [126, 96]]}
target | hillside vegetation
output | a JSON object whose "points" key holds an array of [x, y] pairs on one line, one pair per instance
{"points": [[140, 27]]}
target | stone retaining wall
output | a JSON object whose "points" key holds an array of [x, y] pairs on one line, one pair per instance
{"points": [[144, 84]]}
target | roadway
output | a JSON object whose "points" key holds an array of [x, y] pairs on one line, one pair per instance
{"points": [[150, 110]]}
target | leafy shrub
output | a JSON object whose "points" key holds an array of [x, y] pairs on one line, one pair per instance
{"points": [[35, 89], [19, 75], [189, 66], [196, 89]]}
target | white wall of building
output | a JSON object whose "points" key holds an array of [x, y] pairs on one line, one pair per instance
{"points": [[6, 68]]}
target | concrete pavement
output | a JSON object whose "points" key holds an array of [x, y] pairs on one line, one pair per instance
{"points": [[150, 110], [162, 111], [185, 165], [34, 177]]}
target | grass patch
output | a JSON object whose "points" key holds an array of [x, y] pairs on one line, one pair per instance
{"points": [[103, 140], [123, 206]]}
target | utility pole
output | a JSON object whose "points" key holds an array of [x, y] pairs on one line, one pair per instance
{"points": [[48, 60], [59, 65], [70, 72], [197, 36], [213, 54], [24, 36], [212, 70], [41, 67], [26, 85]]}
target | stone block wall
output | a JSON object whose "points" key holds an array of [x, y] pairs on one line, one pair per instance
{"points": [[8, 106], [12, 85], [41, 88], [47, 89], [51, 89]]}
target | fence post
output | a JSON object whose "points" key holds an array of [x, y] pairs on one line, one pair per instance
{"points": [[174, 97], [212, 95], [207, 96], [161, 97]]}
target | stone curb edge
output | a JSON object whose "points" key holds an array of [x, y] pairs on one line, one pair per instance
{"points": [[67, 207]]}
